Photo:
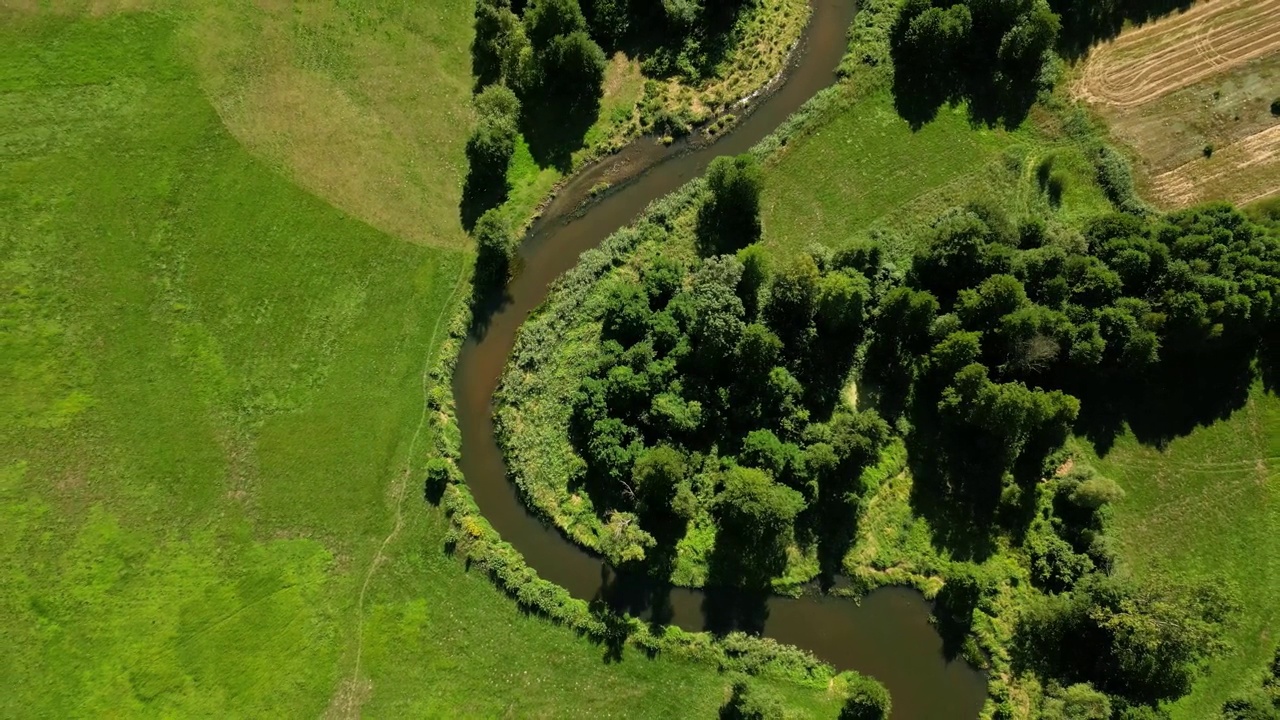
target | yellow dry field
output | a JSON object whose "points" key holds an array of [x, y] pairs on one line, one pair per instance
{"points": [[1204, 78]]}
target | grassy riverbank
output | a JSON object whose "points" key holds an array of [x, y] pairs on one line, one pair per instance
{"points": [[213, 385]]}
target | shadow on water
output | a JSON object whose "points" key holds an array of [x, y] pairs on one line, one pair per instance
{"points": [[888, 634]]}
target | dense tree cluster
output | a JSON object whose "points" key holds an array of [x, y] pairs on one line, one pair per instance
{"points": [[989, 53], [672, 37], [1069, 539], [727, 369], [1140, 642], [1085, 22], [489, 151], [998, 54], [549, 61], [1001, 337]]}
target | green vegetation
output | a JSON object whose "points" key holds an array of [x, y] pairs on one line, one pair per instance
{"points": [[1261, 704], [550, 54], [1200, 507], [213, 427], [978, 293]]}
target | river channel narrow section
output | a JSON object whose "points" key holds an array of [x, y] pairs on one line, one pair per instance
{"points": [[887, 635]]}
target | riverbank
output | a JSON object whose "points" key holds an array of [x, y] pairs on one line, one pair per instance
{"points": [[547, 254]]}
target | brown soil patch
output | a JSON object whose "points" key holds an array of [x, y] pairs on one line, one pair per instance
{"points": [[1201, 79], [1245, 170]]}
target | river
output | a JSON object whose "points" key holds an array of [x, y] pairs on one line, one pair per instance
{"points": [[887, 635]]}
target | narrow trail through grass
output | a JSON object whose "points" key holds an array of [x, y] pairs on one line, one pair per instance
{"points": [[399, 492]]}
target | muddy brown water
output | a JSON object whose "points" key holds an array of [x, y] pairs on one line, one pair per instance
{"points": [[887, 635]]}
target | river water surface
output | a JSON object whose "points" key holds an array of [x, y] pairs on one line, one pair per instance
{"points": [[887, 635]]}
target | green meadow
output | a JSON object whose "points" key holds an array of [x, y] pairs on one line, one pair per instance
{"points": [[212, 416], [1207, 507], [864, 169]]}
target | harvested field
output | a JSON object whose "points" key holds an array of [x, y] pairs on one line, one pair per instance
{"points": [[1191, 95], [1154, 60]]}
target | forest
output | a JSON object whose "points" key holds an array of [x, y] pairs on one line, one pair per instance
{"points": [[720, 390], [752, 397]]}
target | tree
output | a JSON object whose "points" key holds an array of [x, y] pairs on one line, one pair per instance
{"points": [[867, 700], [782, 401], [498, 45], [662, 280], [658, 474], [755, 274], [672, 417], [1142, 642], [841, 307], [762, 449], [626, 315], [489, 151], [571, 69], [546, 20], [755, 517], [997, 296], [730, 217], [717, 324], [759, 351], [439, 474], [793, 303], [495, 250], [623, 542]]}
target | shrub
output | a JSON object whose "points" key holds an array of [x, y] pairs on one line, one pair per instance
{"points": [[495, 250], [867, 700], [439, 474], [1275, 107], [1116, 178]]}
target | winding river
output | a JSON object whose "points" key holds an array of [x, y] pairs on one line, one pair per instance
{"points": [[887, 635]]}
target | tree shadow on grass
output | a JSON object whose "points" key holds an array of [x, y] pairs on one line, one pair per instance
{"points": [[1180, 394], [1087, 22], [554, 130]]}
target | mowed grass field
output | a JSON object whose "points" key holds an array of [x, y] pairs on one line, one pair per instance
{"points": [[211, 381], [1206, 507]]}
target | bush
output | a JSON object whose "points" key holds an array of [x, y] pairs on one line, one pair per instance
{"points": [[867, 700], [495, 251], [1275, 107], [1116, 178], [439, 474]]}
